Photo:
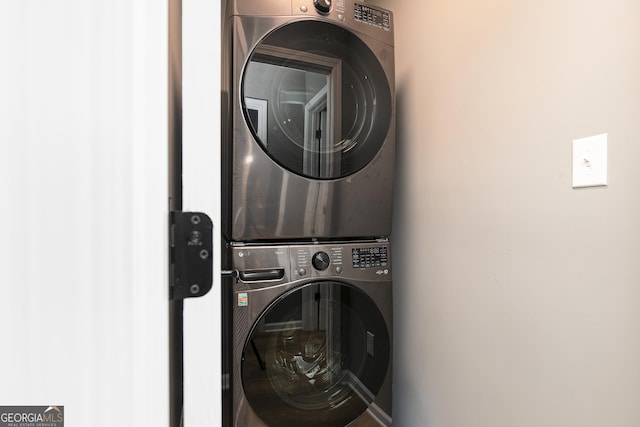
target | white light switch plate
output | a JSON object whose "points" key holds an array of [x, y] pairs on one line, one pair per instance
{"points": [[590, 161]]}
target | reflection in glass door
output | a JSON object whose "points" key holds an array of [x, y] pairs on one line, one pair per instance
{"points": [[307, 104], [328, 99], [316, 357]]}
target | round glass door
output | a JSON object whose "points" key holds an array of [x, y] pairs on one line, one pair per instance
{"points": [[316, 99], [316, 357]]}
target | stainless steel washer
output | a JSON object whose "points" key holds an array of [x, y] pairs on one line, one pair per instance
{"points": [[308, 120], [310, 329]]}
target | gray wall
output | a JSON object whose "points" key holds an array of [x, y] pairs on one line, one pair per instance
{"points": [[517, 298]]}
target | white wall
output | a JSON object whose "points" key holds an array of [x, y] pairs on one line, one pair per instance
{"points": [[517, 296], [83, 177], [201, 184]]}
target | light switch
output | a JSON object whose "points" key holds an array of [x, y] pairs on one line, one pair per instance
{"points": [[590, 161]]}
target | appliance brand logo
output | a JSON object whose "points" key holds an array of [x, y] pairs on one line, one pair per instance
{"points": [[32, 416]]}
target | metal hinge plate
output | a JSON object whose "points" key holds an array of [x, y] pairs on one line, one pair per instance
{"points": [[190, 254]]}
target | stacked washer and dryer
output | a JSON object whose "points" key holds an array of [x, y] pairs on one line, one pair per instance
{"points": [[308, 164]]}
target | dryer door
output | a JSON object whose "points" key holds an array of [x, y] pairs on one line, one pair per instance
{"points": [[318, 356], [316, 99]]}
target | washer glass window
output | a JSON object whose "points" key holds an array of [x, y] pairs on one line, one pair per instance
{"points": [[316, 357], [316, 99]]}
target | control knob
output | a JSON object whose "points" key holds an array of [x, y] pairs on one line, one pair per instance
{"points": [[320, 261], [322, 6]]}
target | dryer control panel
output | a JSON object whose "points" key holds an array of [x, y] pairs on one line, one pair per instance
{"points": [[356, 15], [370, 15]]}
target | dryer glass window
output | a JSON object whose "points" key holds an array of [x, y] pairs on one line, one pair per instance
{"points": [[317, 356], [326, 100]]}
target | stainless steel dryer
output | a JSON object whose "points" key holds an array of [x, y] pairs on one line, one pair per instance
{"points": [[311, 336], [308, 118]]}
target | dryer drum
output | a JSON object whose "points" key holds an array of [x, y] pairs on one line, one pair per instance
{"points": [[317, 356]]}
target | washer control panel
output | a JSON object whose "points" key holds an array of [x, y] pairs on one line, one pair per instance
{"points": [[314, 261], [260, 266], [369, 257], [366, 261]]}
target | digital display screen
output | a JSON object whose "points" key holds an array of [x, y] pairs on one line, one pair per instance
{"points": [[372, 16], [369, 257]]}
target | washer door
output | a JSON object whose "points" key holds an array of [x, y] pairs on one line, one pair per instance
{"points": [[316, 357], [316, 99]]}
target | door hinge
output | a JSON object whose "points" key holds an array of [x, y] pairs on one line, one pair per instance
{"points": [[190, 254]]}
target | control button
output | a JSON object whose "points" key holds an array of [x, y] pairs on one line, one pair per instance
{"points": [[302, 272], [322, 6], [303, 9], [338, 270], [320, 261], [340, 17]]}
